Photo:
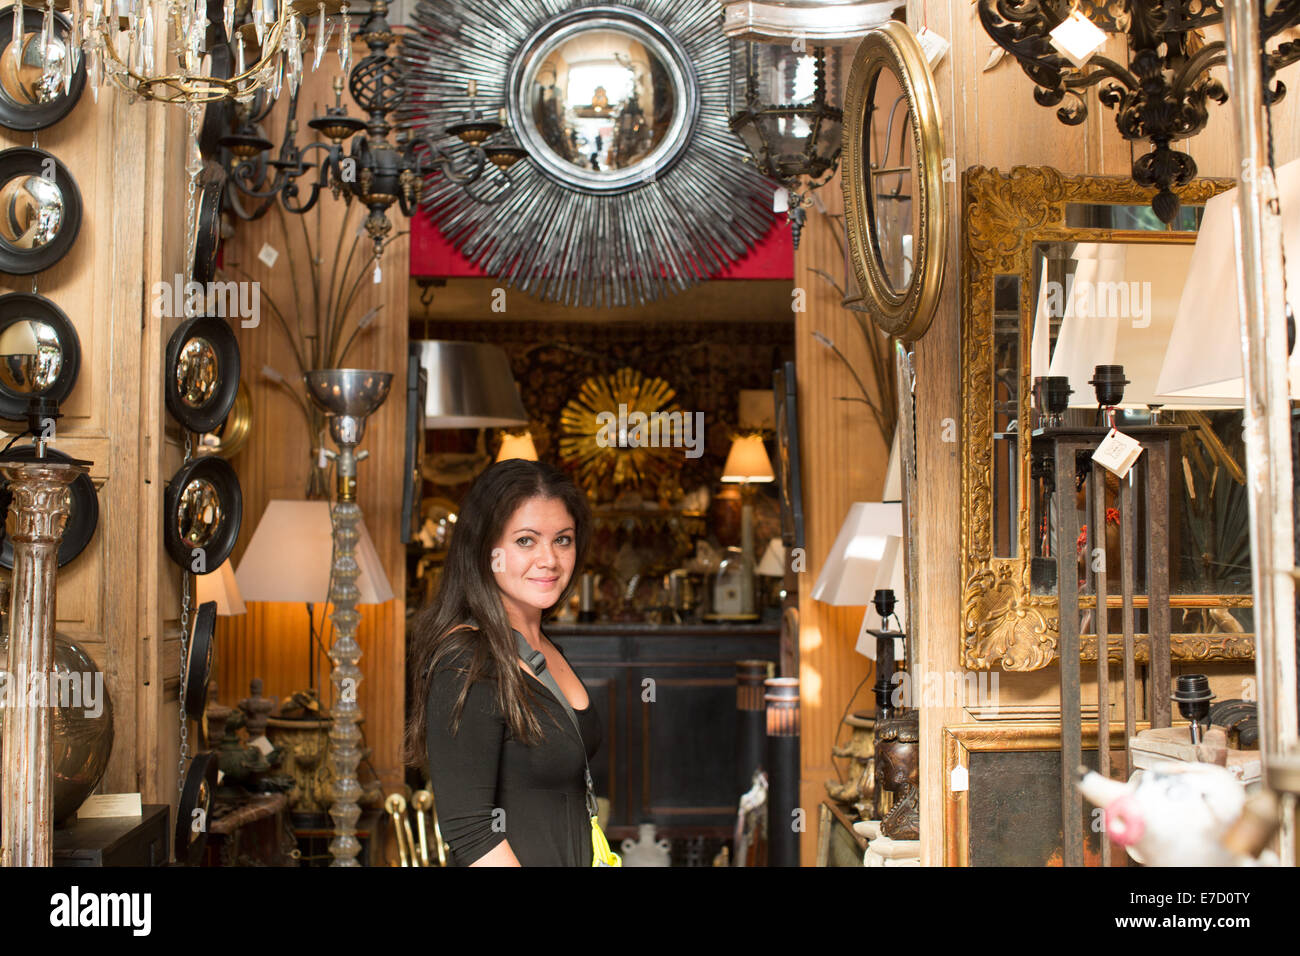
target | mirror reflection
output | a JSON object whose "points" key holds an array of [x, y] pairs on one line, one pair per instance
{"points": [[893, 178], [1115, 303], [31, 211], [31, 356], [32, 79], [198, 516], [602, 100], [197, 372]]}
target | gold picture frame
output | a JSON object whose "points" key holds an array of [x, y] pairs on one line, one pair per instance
{"points": [[1004, 624], [961, 740], [904, 313]]}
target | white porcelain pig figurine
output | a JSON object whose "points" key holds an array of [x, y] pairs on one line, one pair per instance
{"points": [[1173, 816]]}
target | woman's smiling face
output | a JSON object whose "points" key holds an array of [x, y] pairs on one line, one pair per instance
{"points": [[534, 558]]}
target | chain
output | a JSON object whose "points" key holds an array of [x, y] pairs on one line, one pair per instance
{"points": [[194, 166], [187, 603], [1276, 210]]}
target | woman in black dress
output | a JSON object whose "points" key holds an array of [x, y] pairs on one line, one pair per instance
{"points": [[505, 761]]}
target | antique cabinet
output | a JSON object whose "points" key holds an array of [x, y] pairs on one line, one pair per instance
{"points": [[667, 700]]}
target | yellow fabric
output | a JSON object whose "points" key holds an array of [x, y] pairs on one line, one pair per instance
{"points": [[601, 854]]}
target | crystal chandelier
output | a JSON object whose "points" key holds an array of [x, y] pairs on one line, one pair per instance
{"points": [[215, 49]]}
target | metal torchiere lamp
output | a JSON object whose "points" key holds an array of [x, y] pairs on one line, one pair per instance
{"points": [[349, 396]]}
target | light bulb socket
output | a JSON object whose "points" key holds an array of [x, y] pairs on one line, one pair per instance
{"points": [[1109, 382]]}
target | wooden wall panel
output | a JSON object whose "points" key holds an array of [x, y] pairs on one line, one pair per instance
{"points": [[126, 160], [844, 458], [270, 641], [990, 119]]}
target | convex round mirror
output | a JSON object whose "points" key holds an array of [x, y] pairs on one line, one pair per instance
{"points": [[894, 201], [40, 210], [40, 353], [202, 510], [202, 373], [603, 98], [38, 87]]}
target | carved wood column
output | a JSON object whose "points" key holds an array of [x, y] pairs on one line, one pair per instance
{"points": [[37, 516]]}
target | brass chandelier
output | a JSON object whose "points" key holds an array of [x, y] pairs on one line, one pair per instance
{"points": [[1160, 96]]}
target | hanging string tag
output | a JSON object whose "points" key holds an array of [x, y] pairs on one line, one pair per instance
{"points": [[268, 255], [933, 46], [1117, 453]]}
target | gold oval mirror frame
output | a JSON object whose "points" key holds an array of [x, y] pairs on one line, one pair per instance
{"points": [[904, 312]]}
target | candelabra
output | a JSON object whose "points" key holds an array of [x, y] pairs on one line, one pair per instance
{"points": [[349, 396]]}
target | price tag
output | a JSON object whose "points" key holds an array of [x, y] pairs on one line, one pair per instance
{"points": [[933, 46], [959, 781], [1117, 453], [268, 255]]}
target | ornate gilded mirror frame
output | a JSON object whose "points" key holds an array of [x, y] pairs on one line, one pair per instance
{"points": [[904, 312], [1004, 624]]}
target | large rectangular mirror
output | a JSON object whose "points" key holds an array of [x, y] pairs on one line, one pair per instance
{"points": [[1058, 270]]}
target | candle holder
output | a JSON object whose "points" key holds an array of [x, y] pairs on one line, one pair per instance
{"points": [[349, 397]]}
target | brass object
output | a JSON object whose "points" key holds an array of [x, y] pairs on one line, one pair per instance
{"points": [[600, 438], [199, 514], [889, 59], [231, 435], [1004, 625]]}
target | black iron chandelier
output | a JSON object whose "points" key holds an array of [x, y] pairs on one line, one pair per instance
{"points": [[1160, 97], [376, 171]]}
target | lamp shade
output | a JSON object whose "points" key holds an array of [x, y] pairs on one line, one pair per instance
{"points": [[220, 586], [848, 578], [291, 553], [517, 446], [1203, 362], [773, 563], [470, 386], [1117, 308], [748, 461]]}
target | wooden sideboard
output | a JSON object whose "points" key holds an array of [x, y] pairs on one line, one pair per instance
{"points": [[667, 699]]}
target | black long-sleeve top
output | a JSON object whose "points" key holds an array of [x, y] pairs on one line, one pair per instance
{"points": [[490, 787]]}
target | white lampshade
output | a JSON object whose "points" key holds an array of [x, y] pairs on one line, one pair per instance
{"points": [[773, 563], [517, 446], [220, 586], [1203, 362], [748, 461], [291, 553], [848, 577], [1119, 308]]}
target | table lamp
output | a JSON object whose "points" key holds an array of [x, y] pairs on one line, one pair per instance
{"points": [[1203, 360], [220, 586], [747, 464], [517, 446], [850, 576]]}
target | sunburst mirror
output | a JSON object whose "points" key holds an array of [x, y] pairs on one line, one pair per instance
{"points": [[606, 437], [634, 188]]}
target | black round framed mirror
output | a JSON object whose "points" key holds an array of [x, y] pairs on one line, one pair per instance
{"points": [[37, 87], [40, 353], [83, 509], [198, 663], [201, 373], [212, 182], [195, 808], [202, 510], [40, 210]]}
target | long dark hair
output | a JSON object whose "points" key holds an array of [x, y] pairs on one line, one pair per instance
{"points": [[468, 595]]}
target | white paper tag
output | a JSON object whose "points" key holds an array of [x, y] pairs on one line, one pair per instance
{"points": [[933, 46], [379, 274], [959, 780], [1077, 38], [322, 460], [780, 199], [99, 805], [267, 255], [262, 744], [1117, 453]]}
